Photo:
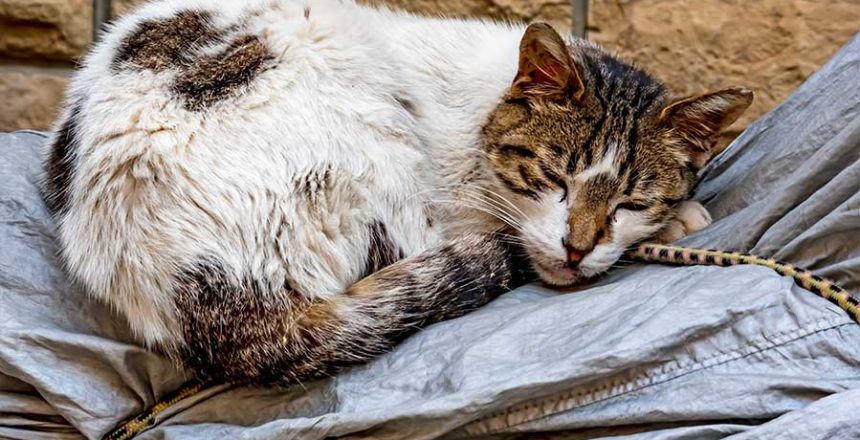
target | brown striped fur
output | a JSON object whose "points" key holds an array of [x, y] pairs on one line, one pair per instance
{"points": [[163, 44], [58, 166], [286, 338], [215, 77], [180, 43]]}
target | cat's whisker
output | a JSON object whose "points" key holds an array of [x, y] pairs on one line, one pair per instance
{"points": [[496, 205], [511, 222], [506, 200], [510, 238], [426, 191], [517, 212], [516, 243], [478, 198], [477, 195]]}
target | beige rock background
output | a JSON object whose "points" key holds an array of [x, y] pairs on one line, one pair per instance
{"points": [[555, 12], [122, 7], [45, 29], [771, 46], [39, 41], [768, 45], [29, 98]]}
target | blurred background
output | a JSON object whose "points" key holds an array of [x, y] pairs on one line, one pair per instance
{"points": [[768, 45]]}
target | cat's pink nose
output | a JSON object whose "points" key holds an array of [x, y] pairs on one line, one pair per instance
{"points": [[574, 256]]}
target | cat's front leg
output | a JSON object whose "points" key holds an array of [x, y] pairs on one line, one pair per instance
{"points": [[690, 216]]}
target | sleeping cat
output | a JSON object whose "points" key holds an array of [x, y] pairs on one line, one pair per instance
{"points": [[271, 190]]}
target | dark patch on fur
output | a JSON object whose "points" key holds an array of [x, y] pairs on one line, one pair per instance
{"points": [[242, 331], [175, 43], [382, 251], [215, 77], [59, 170], [163, 44], [314, 184], [407, 104], [222, 319]]}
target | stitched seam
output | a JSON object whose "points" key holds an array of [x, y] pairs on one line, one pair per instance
{"points": [[613, 389]]}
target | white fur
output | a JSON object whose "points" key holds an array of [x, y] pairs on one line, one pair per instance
{"points": [[628, 228], [545, 224], [606, 165], [690, 217]]}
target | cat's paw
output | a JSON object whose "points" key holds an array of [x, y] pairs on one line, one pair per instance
{"points": [[690, 216]]}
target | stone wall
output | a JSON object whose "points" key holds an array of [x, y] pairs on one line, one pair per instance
{"points": [[39, 41], [555, 12], [768, 45]]}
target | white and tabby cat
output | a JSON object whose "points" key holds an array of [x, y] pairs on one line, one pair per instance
{"points": [[269, 190]]}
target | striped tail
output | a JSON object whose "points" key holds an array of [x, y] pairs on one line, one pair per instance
{"points": [[251, 335], [691, 256]]}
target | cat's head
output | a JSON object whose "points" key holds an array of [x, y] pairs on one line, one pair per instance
{"points": [[594, 154]]}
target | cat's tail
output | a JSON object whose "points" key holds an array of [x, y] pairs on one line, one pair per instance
{"points": [[287, 338]]}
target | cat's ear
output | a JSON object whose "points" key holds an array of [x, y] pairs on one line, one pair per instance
{"points": [[697, 122], [546, 67]]}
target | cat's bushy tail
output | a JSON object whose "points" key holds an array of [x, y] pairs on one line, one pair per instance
{"points": [[286, 338]]}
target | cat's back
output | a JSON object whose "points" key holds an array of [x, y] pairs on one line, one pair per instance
{"points": [[293, 71]]}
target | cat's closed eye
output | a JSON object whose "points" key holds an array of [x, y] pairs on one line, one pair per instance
{"points": [[631, 206], [517, 150]]}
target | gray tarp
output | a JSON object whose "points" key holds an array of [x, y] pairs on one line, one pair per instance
{"points": [[649, 352]]}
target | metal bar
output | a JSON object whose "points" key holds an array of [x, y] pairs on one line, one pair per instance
{"points": [[580, 18], [101, 15]]}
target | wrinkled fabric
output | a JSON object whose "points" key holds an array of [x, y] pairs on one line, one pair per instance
{"points": [[647, 352]]}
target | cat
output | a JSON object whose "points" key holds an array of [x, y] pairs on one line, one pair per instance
{"points": [[272, 190]]}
